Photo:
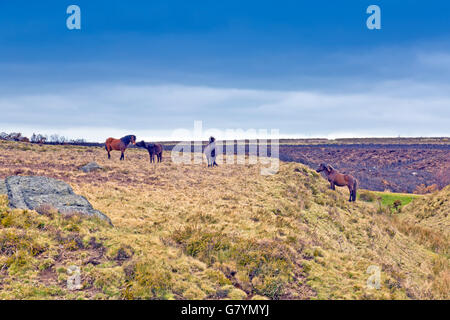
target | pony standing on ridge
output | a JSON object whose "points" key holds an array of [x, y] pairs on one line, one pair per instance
{"points": [[153, 149], [210, 152], [339, 179], [119, 145]]}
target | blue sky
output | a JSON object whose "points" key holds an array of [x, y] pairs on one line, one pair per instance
{"points": [[307, 68]]}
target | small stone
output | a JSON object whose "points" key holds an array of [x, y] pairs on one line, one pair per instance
{"points": [[91, 166]]}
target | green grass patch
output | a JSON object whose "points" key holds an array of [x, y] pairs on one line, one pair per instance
{"points": [[388, 198], [393, 201]]}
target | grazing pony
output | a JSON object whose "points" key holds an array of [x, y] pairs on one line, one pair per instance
{"points": [[210, 152], [153, 149], [119, 145], [339, 179]]}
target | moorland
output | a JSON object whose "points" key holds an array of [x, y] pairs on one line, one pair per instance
{"points": [[191, 232]]}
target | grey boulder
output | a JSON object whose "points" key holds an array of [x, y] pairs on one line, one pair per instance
{"points": [[91, 166], [30, 192]]}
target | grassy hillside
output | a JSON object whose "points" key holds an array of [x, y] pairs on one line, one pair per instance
{"points": [[186, 231], [427, 221]]}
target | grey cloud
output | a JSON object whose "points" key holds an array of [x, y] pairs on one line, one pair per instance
{"points": [[380, 111]]}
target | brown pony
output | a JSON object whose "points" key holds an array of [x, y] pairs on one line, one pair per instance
{"points": [[119, 145], [153, 149], [339, 179]]}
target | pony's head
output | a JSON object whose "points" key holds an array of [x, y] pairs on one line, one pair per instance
{"points": [[141, 144], [128, 139], [324, 167], [212, 139]]}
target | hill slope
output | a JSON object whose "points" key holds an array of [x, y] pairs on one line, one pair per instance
{"points": [[427, 220], [186, 231]]}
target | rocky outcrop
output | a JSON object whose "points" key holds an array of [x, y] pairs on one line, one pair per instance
{"points": [[31, 192]]}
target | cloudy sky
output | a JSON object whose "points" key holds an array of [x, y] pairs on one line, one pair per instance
{"points": [[307, 68]]}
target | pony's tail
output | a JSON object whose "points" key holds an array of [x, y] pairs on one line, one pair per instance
{"points": [[355, 186]]}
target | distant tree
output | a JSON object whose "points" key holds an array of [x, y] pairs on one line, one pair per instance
{"points": [[14, 136], [54, 138], [62, 140], [40, 138]]}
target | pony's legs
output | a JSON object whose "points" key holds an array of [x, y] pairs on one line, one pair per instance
{"points": [[122, 156], [351, 194]]}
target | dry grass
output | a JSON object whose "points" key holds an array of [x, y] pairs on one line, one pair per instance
{"points": [[190, 232], [428, 221]]}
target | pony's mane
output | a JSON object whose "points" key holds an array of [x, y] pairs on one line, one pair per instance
{"points": [[127, 139]]}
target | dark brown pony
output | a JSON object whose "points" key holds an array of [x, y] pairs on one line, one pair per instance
{"points": [[153, 149], [119, 145], [339, 179]]}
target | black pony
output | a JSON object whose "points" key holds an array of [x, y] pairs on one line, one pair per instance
{"points": [[153, 149]]}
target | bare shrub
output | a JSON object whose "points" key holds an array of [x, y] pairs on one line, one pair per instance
{"points": [[368, 196], [47, 210]]}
